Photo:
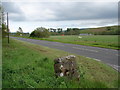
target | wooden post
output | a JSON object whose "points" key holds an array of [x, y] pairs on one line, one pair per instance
{"points": [[8, 26]]}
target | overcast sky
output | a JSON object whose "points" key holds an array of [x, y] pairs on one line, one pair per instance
{"points": [[30, 15]]}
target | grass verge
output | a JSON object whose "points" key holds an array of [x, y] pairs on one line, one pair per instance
{"points": [[27, 65]]}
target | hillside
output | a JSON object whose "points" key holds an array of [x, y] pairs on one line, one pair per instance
{"points": [[107, 30]]}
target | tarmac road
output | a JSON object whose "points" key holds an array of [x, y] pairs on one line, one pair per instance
{"points": [[108, 56]]}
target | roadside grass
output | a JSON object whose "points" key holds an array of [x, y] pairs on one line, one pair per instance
{"points": [[104, 41], [27, 65]]}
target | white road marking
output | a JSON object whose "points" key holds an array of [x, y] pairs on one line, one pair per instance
{"points": [[97, 59], [85, 49], [88, 57], [115, 66], [94, 59]]}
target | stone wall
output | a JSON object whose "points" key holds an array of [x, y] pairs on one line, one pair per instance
{"points": [[66, 66]]}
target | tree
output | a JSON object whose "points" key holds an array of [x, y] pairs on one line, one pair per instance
{"points": [[68, 29], [2, 23], [4, 30], [32, 34], [108, 28], [72, 31], [54, 30], [59, 30], [19, 32], [40, 32]]}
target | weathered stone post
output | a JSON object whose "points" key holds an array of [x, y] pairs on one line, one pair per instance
{"points": [[66, 66]]}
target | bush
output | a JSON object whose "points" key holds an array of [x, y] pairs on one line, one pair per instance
{"points": [[4, 30], [40, 33]]}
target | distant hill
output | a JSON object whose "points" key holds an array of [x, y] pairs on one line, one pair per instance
{"points": [[107, 30]]}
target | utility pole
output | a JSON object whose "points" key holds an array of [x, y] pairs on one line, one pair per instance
{"points": [[8, 26]]}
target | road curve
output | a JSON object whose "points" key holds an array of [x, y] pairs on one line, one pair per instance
{"points": [[108, 56]]}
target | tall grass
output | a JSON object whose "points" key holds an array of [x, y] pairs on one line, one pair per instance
{"points": [[28, 65]]}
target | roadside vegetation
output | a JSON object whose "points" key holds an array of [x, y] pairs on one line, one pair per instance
{"points": [[27, 65], [40, 33]]}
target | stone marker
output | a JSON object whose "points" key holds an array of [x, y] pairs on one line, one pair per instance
{"points": [[66, 66]]}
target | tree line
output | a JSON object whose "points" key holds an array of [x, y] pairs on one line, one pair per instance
{"points": [[42, 32], [69, 31]]}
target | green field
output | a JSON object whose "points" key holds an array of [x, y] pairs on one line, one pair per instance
{"points": [[27, 65], [105, 41]]}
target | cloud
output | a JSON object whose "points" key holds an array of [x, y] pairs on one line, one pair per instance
{"points": [[61, 11], [30, 15], [15, 13], [87, 10]]}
